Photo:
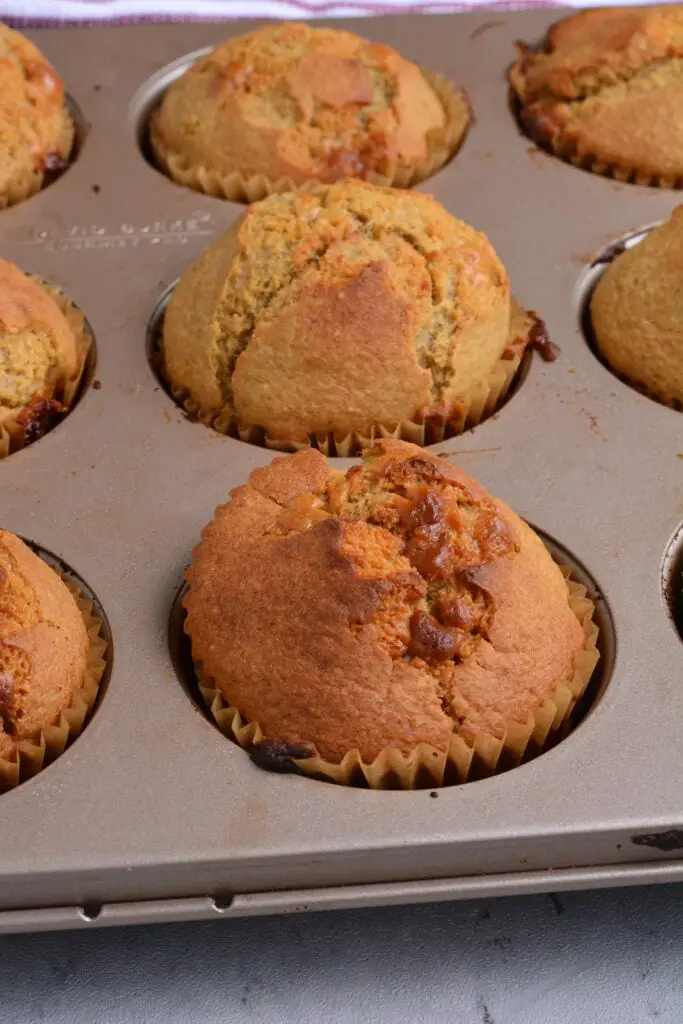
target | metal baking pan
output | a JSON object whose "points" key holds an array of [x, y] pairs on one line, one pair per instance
{"points": [[152, 814]]}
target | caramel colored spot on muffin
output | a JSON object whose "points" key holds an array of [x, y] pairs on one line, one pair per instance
{"points": [[430, 537]]}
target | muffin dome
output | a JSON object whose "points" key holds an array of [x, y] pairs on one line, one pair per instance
{"points": [[36, 129], [39, 355], [337, 310], [637, 313], [43, 646], [289, 103], [607, 91], [393, 606]]}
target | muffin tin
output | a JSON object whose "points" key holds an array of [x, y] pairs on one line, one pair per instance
{"points": [[152, 814]]}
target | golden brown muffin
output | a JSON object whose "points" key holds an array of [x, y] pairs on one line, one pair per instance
{"points": [[39, 356], [637, 313], [607, 92], [381, 609], [290, 104], [43, 646], [335, 310], [36, 129]]}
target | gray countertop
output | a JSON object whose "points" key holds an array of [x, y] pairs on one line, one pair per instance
{"points": [[612, 957]]}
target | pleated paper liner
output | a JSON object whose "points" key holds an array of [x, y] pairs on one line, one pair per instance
{"points": [[569, 148], [12, 432], [427, 767], [34, 180], [34, 754], [480, 402], [442, 145], [566, 144]]}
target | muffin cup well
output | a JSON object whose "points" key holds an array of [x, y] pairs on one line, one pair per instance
{"points": [[34, 180], [442, 143], [34, 754], [427, 767], [12, 432], [633, 382], [471, 408]]}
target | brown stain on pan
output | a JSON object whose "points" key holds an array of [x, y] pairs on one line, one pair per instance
{"points": [[485, 27]]}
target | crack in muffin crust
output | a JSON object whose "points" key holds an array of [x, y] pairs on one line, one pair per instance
{"points": [[340, 309], [422, 539], [354, 239]]}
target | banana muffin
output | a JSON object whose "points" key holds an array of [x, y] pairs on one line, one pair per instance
{"points": [[44, 648], [289, 104], [637, 313], [396, 612], [42, 352], [36, 129], [341, 310], [606, 92]]}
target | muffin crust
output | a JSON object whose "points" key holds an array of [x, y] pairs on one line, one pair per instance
{"points": [[36, 129], [637, 313], [338, 309], [377, 610], [43, 645], [608, 91], [38, 351], [294, 103]]}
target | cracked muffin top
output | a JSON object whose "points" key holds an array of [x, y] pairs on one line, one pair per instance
{"points": [[335, 310], [381, 608], [298, 103], [637, 312], [38, 349], [36, 129], [608, 88], [43, 645]]}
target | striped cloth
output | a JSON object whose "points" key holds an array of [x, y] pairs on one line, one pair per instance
{"points": [[48, 12]]}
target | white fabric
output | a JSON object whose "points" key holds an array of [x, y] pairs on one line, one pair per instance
{"points": [[46, 11]]}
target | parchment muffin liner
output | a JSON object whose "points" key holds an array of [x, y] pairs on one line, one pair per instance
{"points": [[566, 143], [34, 754], [567, 146], [427, 767], [36, 178], [442, 144], [12, 434], [472, 407], [478, 404]]}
